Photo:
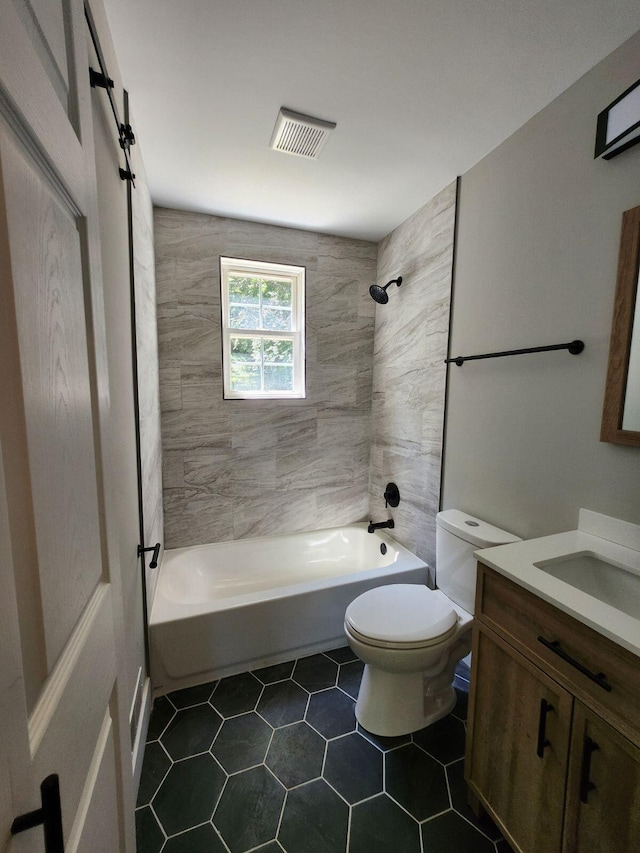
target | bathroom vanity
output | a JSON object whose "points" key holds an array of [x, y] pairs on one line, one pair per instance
{"points": [[553, 743]]}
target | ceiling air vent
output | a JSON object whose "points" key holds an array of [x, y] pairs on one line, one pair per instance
{"points": [[298, 134]]}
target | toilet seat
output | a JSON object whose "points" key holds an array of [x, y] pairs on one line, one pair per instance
{"points": [[400, 616]]}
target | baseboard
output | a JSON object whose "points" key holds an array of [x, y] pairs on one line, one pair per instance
{"points": [[137, 754]]}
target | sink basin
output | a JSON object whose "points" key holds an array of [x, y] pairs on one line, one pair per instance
{"points": [[592, 573]]}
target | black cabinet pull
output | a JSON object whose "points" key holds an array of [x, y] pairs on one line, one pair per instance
{"points": [[588, 748], [599, 677], [49, 816], [545, 707]]}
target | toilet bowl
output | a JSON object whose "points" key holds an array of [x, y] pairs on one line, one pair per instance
{"points": [[411, 638]]}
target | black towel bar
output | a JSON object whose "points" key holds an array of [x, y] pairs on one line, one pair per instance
{"points": [[574, 347]]}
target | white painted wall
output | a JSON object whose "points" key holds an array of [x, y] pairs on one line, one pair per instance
{"points": [[539, 225]]}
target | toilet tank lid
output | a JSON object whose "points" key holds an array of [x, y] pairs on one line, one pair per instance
{"points": [[473, 530]]}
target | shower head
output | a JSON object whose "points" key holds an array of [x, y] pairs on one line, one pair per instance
{"points": [[380, 293]]}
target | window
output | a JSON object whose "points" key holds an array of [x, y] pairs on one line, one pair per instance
{"points": [[262, 329]]}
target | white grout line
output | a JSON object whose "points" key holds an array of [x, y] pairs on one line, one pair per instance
{"points": [[159, 821], [348, 844], [366, 799], [327, 739], [219, 835], [434, 816], [446, 777], [324, 757], [335, 790], [466, 820], [189, 828]]}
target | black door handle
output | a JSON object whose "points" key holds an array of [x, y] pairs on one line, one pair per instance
{"points": [[49, 816]]}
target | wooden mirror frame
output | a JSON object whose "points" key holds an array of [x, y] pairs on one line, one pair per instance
{"points": [[621, 332]]}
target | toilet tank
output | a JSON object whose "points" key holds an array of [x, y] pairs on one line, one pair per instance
{"points": [[458, 535]]}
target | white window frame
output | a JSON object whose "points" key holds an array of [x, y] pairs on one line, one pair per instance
{"points": [[294, 274]]}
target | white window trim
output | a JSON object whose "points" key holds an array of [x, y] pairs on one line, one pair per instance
{"points": [[295, 274]]}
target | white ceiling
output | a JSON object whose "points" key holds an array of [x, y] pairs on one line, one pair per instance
{"points": [[420, 90]]}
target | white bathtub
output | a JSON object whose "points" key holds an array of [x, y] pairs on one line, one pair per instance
{"points": [[230, 607]]}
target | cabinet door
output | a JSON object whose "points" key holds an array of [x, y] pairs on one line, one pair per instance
{"points": [[603, 796], [518, 744]]}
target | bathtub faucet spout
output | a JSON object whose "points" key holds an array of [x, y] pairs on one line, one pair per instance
{"points": [[379, 525]]}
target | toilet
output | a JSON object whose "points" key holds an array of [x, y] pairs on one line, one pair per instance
{"points": [[411, 638]]}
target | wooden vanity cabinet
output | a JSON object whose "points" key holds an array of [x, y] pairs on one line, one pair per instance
{"points": [[523, 792], [552, 755], [605, 817]]}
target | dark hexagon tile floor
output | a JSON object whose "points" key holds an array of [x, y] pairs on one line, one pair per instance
{"points": [[331, 712], [242, 742], [273, 761], [249, 810], [416, 782], [191, 731], [354, 768], [296, 754], [315, 673], [315, 820], [282, 703]]}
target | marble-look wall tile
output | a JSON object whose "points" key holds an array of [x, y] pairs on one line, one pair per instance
{"points": [[208, 470], [249, 431], [298, 429], [170, 396], [150, 398], [246, 468], [409, 373], [200, 394], [345, 343], [173, 469], [188, 236], [272, 513], [179, 428], [196, 517], [344, 431], [304, 469], [333, 384], [336, 506], [251, 473]]}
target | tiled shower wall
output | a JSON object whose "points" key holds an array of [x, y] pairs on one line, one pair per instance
{"points": [[411, 334], [147, 364], [247, 468]]}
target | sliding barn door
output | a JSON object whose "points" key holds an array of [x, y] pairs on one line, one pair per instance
{"points": [[58, 582]]}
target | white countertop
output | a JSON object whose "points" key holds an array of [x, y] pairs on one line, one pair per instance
{"points": [[516, 562]]}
